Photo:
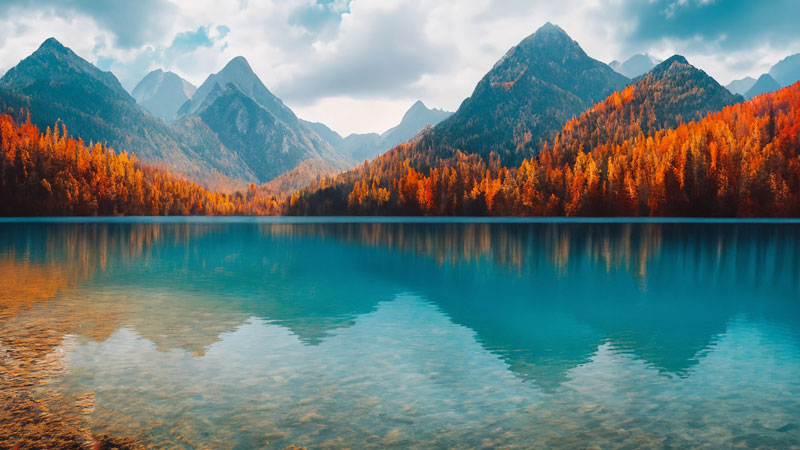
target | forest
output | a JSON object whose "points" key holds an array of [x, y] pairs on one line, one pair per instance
{"points": [[53, 174], [743, 161], [619, 158]]}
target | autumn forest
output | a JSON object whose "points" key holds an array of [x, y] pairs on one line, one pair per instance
{"points": [[743, 161], [548, 131], [54, 174]]}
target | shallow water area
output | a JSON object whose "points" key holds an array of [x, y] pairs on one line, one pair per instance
{"points": [[402, 333]]}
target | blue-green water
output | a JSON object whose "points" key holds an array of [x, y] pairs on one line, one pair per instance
{"points": [[253, 334]]}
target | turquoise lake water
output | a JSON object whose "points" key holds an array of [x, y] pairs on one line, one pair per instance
{"points": [[254, 333]]}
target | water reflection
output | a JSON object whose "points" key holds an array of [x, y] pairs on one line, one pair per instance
{"points": [[380, 334]]}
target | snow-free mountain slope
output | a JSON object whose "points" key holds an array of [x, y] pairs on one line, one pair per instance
{"points": [[257, 126], [527, 97], [636, 65], [415, 119], [54, 84], [163, 93], [787, 71], [369, 145], [764, 84], [741, 86]]}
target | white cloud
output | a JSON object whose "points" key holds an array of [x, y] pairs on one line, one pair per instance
{"points": [[358, 65], [21, 36]]}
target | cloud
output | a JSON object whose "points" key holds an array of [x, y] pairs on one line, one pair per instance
{"points": [[319, 16], [21, 35], [716, 25], [378, 50], [133, 23], [359, 64]]}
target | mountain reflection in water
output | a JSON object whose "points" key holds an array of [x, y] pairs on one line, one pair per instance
{"points": [[453, 335]]}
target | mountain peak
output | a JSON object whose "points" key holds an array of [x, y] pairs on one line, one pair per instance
{"points": [[238, 63], [54, 62], [239, 74], [548, 33], [549, 27], [636, 65], [765, 83], [672, 63], [675, 59], [786, 71], [741, 86], [52, 43], [765, 77], [162, 92], [418, 106], [536, 87]]}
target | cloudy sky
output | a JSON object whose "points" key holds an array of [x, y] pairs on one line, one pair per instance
{"points": [[357, 65]]}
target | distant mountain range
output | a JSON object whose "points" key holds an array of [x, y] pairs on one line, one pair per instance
{"points": [[636, 65], [741, 86], [764, 84], [54, 84], [787, 71], [784, 73], [536, 136], [162, 93], [233, 130], [230, 131], [367, 146]]}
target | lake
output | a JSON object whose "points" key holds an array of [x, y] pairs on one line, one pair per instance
{"points": [[266, 333]]}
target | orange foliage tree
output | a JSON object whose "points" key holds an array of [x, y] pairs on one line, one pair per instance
{"points": [[52, 173], [743, 161]]}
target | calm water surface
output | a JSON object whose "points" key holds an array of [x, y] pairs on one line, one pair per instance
{"points": [[249, 334]]}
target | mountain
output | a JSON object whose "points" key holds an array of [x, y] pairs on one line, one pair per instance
{"points": [[521, 103], [527, 97], [784, 73], [369, 145], [672, 93], [414, 120], [230, 139], [787, 71], [741, 86], [162, 93], [60, 175], [635, 66], [239, 73], [613, 160], [764, 84], [256, 126], [54, 84], [322, 130], [361, 146]]}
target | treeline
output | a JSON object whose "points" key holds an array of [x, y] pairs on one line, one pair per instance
{"points": [[740, 162], [53, 174]]}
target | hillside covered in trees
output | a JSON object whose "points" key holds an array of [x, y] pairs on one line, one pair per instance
{"points": [[743, 161], [548, 131], [53, 174]]}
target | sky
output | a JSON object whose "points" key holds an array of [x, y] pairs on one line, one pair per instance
{"points": [[358, 65]]}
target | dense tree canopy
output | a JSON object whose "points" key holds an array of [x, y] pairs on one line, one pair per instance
{"points": [[741, 161], [52, 173]]}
